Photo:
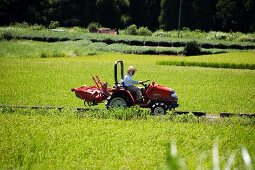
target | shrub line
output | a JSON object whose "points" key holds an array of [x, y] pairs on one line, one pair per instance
{"points": [[112, 39]]}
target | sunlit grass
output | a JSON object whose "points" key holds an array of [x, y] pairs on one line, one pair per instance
{"points": [[47, 81], [59, 140], [242, 60]]}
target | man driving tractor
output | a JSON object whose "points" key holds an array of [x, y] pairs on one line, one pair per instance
{"points": [[129, 83]]}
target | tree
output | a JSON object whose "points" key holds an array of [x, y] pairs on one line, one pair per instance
{"points": [[112, 13], [168, 18], [145, 13], [236, 15]]}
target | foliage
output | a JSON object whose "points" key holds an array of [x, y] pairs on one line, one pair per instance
{"points": [[224, 15], [144, 31], [53, 24], [6, 36], [192, 48], [132, 30], [93, 27]]}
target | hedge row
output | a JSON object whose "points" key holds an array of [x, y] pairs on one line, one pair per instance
{"points": [[129, 49], [53, 36], [208, 64], [174, 43]]}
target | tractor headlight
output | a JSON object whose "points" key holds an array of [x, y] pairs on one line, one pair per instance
{"points": [[173, 94]]}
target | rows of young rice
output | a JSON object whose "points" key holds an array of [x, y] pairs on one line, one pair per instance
{"points": [[47, 81], [242, 60], [59, 140]]}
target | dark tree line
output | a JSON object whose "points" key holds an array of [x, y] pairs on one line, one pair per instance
{"points": [[224, 15]]}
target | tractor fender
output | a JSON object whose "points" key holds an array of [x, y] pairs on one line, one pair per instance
{"points": [[123, 92]]}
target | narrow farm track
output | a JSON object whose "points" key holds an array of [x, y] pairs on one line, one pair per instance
{"points": [[197, 114]]}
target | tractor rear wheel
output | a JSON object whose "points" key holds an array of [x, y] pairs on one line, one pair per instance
{"points": [[158, 109], [118, 101]]}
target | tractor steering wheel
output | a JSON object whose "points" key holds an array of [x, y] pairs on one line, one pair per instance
{"points": [[145, 85]]}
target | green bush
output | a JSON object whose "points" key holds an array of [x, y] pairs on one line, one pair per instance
{"points": [[21, 25], [37, 27], [132, 30], [247, 38], [6, 36], [144, 31], [93, 27], [192, 48], [212, 35], [53, 24]]}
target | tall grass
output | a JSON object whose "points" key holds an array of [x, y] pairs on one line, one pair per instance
{"points": [[175, 162]]}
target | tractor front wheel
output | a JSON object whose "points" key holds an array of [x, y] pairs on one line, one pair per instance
{"points": [[158, 109]]}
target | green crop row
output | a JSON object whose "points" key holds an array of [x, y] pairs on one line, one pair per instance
{"points": [[207, 64], [235, 60], [65, 35]]}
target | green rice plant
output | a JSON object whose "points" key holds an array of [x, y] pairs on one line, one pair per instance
{"points": [[39, 139], [54, 54], [233, 60], [198, 88], [23, 48], [246, 158], [207, 64], [173, 161]]}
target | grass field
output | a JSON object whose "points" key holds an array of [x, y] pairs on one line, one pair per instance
{"points": [[47, 81], [53, 140], [42, 74]]}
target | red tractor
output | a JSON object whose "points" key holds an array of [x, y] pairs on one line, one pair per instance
{"points": [[157, 97]]}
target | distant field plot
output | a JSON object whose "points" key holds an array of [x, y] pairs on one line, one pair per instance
{"points": [[237, 60], [47, 81]]}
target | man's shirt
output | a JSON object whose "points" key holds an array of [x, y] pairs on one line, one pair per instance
{"points": [[128, 80]]}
